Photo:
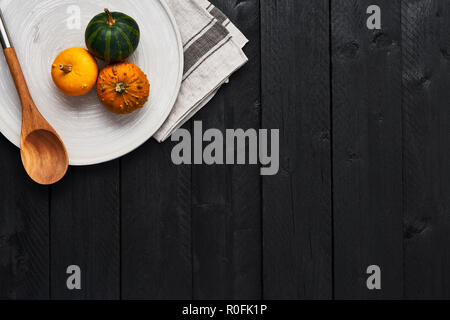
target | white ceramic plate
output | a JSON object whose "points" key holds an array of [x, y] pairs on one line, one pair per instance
{"points": [[40, 29]]}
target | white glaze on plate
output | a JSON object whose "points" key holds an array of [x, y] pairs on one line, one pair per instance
{"points": [[38, 30]]}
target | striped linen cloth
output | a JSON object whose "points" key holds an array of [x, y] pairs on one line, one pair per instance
{"points": [[212, 53]]}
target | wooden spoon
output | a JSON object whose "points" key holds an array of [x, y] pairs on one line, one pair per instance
{"points": [[43, 153]]}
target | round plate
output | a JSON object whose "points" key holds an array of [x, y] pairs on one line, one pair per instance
{"points": [[40, 29]]}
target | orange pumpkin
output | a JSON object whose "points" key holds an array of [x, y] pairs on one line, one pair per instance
{"points": [[75, 71], [123, 88]]}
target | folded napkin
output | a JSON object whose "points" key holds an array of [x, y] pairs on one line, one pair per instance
{"points": [[212, 53]]}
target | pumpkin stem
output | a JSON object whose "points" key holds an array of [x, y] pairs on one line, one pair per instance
{"points": [[67, 68], [120, 87], [110, 21]]}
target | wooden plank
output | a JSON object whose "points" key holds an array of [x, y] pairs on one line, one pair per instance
{"points": [[85, 231], [156, 225], [226, 210], [426, 78], [24, 228], [367, 149], [297, 227]]}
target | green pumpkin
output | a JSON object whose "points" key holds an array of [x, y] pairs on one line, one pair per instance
{"points": [[112, 36]]}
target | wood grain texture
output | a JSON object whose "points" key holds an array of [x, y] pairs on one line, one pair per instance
{"points": [[156, 225], [367, 152], [85, 231], [297, 225], [143, 228], [226, 200], [24, 230], [426, 96]]}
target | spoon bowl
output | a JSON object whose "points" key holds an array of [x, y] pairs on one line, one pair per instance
{"points": [[44, 157]]}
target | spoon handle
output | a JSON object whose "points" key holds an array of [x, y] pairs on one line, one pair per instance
{"points": [[13, 62], [18, 77], [28, 106]]}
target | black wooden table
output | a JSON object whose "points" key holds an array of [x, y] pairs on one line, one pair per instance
{"points": [[364, 119]]}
